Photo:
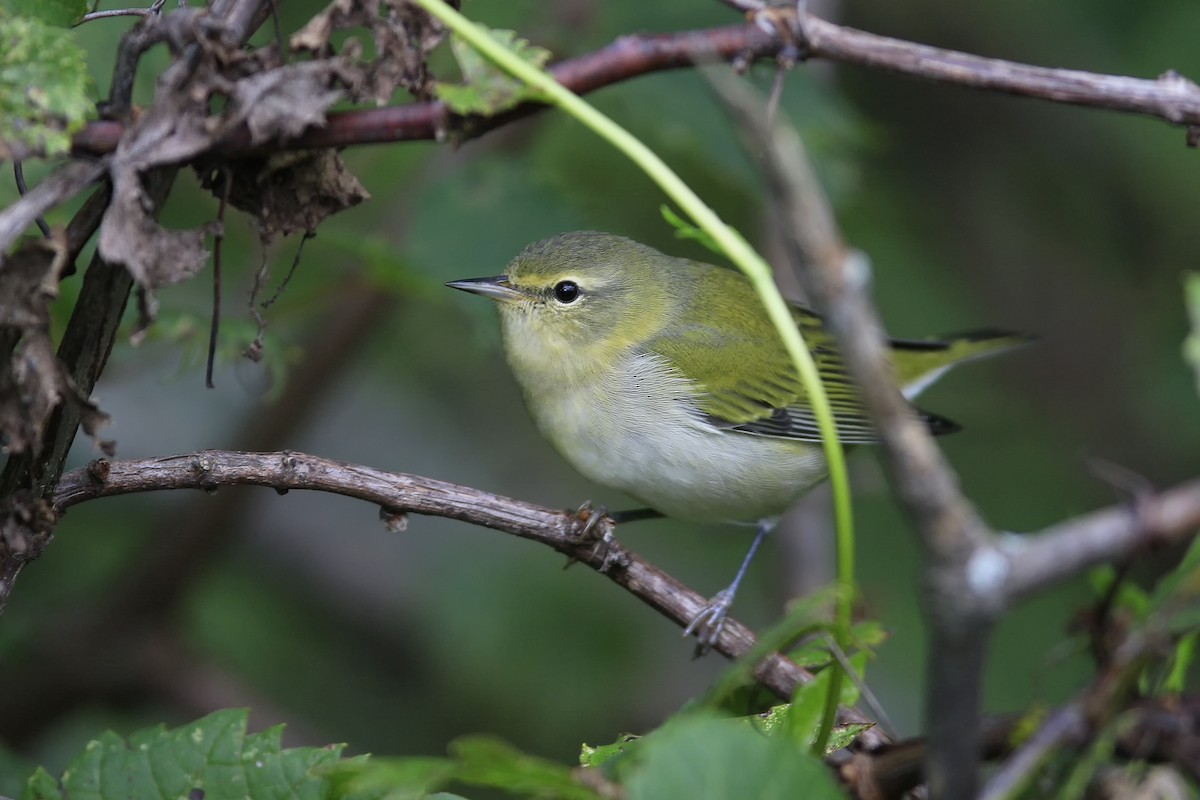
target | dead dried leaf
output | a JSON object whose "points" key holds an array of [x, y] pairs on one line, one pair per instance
{"points": [[29, 282], [403, 35], [290, 192], [33, 385]]}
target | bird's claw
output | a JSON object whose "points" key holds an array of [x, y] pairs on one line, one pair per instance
{"points": [[605, 547], [708, 624]]}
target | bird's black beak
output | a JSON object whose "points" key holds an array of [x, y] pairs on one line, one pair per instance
{"points": [[497, 288]]}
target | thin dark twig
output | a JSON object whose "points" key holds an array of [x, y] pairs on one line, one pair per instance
{"points": [[254, 350], [19, 176], [116, 12], [309, 234], [218, 246], [152, 11]]}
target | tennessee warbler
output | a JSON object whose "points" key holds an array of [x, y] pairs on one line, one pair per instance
{"points": [[663, 377]]}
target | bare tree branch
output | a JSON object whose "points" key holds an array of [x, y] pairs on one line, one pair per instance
{"points": [[1036, 561], [1171, 97]]}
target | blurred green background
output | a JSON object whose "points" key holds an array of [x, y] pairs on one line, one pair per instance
{"points": [[977, 210]]}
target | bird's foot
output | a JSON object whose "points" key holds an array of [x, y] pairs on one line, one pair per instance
{"points": [[605, 547], [708, 624]]}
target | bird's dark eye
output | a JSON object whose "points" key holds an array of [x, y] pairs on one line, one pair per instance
{"points": [[566, 291]]}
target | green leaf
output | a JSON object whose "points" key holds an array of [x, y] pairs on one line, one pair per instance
{"points": [[1191, 345], [771, 721], [486, 761], [13, 769], [844, 735], [1181, 663], [599, 755], [45, 88], [59, 13], [393, 778], [808, 701], [702, 758], [476, 760], [487, 89], [213, 754], [806, 616]]}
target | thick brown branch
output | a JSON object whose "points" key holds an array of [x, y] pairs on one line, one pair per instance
{"points": [[397, 493]]}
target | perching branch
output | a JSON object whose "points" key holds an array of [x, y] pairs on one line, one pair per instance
{"points": [[1171, 97], [397, 494]]}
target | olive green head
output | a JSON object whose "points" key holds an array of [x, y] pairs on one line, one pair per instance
{"points": [[579, 290]]}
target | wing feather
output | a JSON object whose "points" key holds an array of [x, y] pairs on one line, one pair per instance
{"points": [[747, 380]]}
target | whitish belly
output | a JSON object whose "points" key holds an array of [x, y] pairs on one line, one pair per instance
{"points": [[633, 432]]}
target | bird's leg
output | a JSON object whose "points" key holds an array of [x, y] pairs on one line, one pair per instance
{"points": [[708, 624], [591, 516]]}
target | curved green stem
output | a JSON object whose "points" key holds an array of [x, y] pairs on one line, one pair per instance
{"points": [[740, 253]]}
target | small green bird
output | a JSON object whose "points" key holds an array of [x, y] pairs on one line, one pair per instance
{"points": [[664, 378]]}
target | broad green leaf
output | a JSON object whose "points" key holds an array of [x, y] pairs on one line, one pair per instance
{"points": [[60, 13], [702, 758], [213, 755], [393, 778], [485, 761], [1191, 345], [808, 701], [45, 88], [475, 760], [487, 89]]}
